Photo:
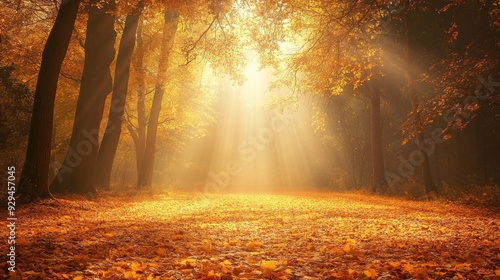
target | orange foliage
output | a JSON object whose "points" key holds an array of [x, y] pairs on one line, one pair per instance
{"points": [[306, 236]]}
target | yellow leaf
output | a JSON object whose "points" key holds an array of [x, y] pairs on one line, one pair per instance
{"points": [[253, 245], [347, 247], [188, 263], [78, 278], [130, 274], [268, 265], [372, 273], [288, 271], [136, 266], [212, 275]]}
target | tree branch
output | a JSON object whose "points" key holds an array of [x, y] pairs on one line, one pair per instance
{"points": [[195, 44]]}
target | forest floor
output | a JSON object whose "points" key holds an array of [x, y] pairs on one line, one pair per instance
{"points": [[243, 236]]}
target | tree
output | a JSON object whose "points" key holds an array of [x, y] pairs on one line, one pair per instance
{"points": [[145, 176], [410, 37], [464, 78], [109, 142], [378, 170], [33, 182], [139, 134], [186, 104], [78, 172], [204, 24]]}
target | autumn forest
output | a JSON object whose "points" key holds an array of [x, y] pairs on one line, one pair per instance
{"points": [[250, 139]]}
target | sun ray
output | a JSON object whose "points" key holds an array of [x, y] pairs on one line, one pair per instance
{"points": [[252, 148]]}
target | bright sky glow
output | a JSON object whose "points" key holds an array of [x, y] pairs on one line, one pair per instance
{"points": [[252, 148]]}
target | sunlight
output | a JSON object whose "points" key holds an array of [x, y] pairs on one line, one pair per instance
{"points": [[251, 148], [255, 86], [240, 139]]}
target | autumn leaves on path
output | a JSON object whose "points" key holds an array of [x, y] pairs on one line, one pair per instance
{"points": [[235, 236]]}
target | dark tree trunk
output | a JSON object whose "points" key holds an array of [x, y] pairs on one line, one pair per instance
{"points": [[426, 169], [78, 172], [378, 168], [145, 178], [34, 177], [111, 136], [140, 140]]}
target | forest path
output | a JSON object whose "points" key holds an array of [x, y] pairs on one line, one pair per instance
{"points": [[237, 236]]}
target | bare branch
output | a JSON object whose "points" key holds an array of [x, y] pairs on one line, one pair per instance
{"points": [[195, 44], [167, 119], [76, 80]]}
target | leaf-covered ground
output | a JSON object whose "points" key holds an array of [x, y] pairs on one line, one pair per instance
{"points": [[235, 236]]}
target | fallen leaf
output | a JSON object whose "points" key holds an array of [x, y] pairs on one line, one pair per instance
{"points": [[371, 273], [268, 265]]}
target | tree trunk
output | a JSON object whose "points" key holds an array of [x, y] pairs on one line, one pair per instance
{"points": [[111, 136], [378, 169], [145, 178], [78, 172], [140, 140], [426, 170], [135, 138], [34, 177]]}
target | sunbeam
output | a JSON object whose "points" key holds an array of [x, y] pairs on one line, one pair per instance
{"points": [[252, 148]]}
